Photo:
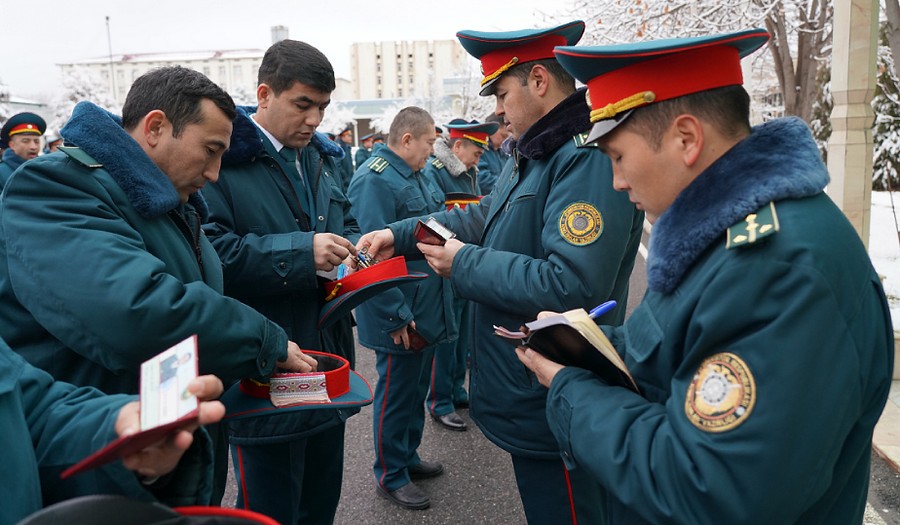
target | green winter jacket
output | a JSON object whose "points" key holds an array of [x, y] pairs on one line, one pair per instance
{"points": [[553, 235], [267, 252], [384, 190], [101, 268], [763, 351]]}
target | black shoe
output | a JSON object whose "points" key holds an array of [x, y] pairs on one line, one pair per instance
{"points": [[451, 421], [464, 403], [425, 469], [408, 496]]}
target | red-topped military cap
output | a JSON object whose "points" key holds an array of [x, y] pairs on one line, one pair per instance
{"points": [[21, 123], [621, 78], [477, 132], [499, 51]]}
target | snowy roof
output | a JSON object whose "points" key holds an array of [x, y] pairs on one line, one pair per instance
{"points": [[179, 56]]}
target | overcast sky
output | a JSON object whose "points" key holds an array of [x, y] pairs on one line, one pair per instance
{"points": [[38, 35]]}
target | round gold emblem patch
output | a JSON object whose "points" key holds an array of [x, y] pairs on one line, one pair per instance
{"points": [[580, 224], [721, 395]]}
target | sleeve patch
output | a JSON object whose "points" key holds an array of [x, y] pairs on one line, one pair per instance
{"points": [[721, 395], [580, 224]]}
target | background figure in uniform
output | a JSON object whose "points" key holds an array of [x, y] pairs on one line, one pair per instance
{"points": [[366, 142], [491, 163], [129, 272], [553, 232], [291, 465], [20, 139], [406, 324], [763, 348], [453, 167], [345, 141]]}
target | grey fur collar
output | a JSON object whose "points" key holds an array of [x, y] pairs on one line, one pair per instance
{"points": [[444, 154], [779, 160]]}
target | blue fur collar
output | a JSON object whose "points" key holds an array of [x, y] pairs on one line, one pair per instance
{"points": [[246, 140], [100, 134], [779, 160]]}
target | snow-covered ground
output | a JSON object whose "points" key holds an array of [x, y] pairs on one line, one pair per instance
{"points": [[884, 247]]}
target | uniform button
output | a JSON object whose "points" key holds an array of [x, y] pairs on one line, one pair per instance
{"points": [[282, 265], [321, 218], [284, 283]]}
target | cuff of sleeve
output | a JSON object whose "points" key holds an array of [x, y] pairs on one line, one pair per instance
{"points": [[274, 349], [559, 412]]}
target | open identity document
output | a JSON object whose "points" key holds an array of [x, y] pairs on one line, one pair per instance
{"points": [[166, 405], [573, 339]]}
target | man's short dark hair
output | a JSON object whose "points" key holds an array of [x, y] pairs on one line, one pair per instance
{"points": [[726, 108], [563, 78], [493, 117], [176, 91], [290, 61]]}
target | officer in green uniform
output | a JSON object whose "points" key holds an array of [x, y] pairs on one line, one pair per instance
{"points": [[20, 140], [453, 167], [366, 143], [129, 272], [553, 235], [276, 259], [763, 349], [391, 186], [491, 164]]}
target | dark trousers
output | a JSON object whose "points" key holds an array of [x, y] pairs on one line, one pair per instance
{"points": [[399, 414], [448, 370], [296, 481], [553, 495]]}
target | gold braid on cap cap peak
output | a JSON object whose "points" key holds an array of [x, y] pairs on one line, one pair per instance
{"points": [[505, 67], [475, 139], [613, 109]]}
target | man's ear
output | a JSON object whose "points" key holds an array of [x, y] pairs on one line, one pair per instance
{"points": [[690, 138], [539, 78], [155, 124], [406, 139], [263, 91]]}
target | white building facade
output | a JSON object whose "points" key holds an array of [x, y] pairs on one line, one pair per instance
{"points": [[233, 70], [404, 69]]}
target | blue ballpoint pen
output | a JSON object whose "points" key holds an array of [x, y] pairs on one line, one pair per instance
{"points": [[602, 309]]}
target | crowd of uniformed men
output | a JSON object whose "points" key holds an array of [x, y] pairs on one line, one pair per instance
{"points": [[761, 352]]}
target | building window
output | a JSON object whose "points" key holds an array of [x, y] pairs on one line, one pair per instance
{"points": [[206, 70], [236, 70], [222, 72]]}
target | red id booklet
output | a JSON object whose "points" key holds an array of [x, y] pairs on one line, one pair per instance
{"points": [[166, 405]]}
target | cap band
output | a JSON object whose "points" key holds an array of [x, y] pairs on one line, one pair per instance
{"points": [[25, 128], [334, 373], [495, 63], [664, 78], [478, 137], [389, 269]]}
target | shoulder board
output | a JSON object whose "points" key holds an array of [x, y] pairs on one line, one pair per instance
{"points": [[377, 164], [759, 224], [80, 156], [437, 163], [581, 140]]}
